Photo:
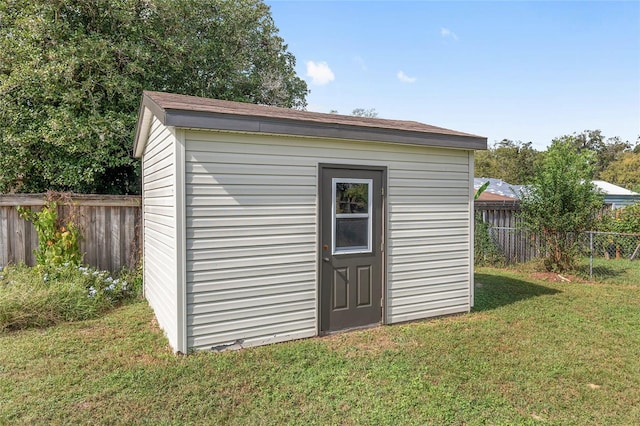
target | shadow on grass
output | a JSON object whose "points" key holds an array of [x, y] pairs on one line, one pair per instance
{"points": [[612, 271], [583, 271], [494, 291]]}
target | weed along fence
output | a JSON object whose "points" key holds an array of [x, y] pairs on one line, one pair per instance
{"points": [[109, 226], [497, 222]]}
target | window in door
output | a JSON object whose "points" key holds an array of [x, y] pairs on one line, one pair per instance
{"points": [[352, 221]]}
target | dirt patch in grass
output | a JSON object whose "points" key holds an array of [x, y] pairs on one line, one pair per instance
{"points": [[370, 341]]}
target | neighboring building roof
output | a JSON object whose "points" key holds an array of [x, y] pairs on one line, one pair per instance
{"points": [[615, 195], [488, 196], [203, 113], [499, 190], [611, 189], [499, 187]]}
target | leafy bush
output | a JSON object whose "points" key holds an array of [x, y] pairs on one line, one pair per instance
{"points": [[41, 296], [624, 220], [617, 225], [58, 242]]}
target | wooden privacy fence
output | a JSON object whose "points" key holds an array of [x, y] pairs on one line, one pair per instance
{"points": [[498, 213], [516, 245], [109, 226]]}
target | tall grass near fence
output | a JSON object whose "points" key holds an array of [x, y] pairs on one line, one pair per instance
{"points": [[49, 295]]}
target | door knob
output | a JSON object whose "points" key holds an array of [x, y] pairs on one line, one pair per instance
{"points": [[326, 259]]}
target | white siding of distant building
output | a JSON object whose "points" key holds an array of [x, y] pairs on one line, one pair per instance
{"points": [[251, 233]]}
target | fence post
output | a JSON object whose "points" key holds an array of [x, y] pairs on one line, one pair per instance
{"points": [[591, 255]]}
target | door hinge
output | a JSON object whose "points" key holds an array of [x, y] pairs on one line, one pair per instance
{"points": [[382, 302], [382, 191], [381, 245]]}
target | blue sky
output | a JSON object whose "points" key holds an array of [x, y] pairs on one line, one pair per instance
{"points": [[527, 71]]}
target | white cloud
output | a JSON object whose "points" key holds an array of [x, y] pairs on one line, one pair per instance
{"points": [[447, 33], [320, 73], [405, 78]]}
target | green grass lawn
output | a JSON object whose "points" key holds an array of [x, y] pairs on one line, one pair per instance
{"points": [[532, 352], [620, 271]]}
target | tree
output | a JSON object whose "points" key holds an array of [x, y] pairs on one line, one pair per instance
{"points": [[625, 171], [591, 140], [511, 161], [72, 74], [561, 201], [613, 150], [606, 150], [361, 112]]}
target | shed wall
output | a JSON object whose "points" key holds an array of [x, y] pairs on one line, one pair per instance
{"points": [[251, 260], [159, 221]]}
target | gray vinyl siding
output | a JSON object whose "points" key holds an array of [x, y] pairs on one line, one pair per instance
{"points": [[429, 229], [251, 233], [159, 228]]}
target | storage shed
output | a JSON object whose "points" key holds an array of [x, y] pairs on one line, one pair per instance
{"points": [[265, 224]]}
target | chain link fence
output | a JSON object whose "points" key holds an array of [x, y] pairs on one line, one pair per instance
{"points": [[601, 255], [608, 251]]}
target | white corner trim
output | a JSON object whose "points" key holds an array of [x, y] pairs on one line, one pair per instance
{"points": [[143, 234], [471, 228], [145, 127], [179, 235]]}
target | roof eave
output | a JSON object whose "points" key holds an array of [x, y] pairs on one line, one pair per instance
{"points": [[282, 126], [207, 120]]}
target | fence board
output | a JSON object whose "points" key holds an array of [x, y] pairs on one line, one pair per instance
{"points": [[4, 249], [109, 226], [21, 247], [498, 213], [33, 243], [130, 230], [116, 229], [101, 222]]}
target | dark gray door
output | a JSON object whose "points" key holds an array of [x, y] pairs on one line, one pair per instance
{"points": [[351, 237]]}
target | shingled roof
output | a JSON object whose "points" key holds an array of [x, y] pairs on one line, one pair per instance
{"points": [[204, 113]]}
